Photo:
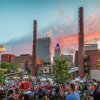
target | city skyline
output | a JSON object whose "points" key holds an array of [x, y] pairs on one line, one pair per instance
{"points": [[55, 18]]}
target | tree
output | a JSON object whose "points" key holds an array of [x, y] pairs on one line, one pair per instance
{"points": [[61, 71], [2, 78], [30, 77], [7, 67]]}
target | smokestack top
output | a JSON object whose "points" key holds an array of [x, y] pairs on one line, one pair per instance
{"points": [[81, 9], [35, 21]]}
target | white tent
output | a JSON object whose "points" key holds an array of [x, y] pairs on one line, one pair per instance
{"points": [[43, 79], [77, 79]]}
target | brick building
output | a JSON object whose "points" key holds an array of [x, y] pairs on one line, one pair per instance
{"points": [[9, 58], [91, 62], [25, 60]]}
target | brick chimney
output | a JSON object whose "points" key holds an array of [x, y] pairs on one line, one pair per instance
{"points": [[34, 66], [81, 43]]}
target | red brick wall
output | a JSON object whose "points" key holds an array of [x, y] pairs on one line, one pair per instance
{"points": [[9, 58], [94, 55]]}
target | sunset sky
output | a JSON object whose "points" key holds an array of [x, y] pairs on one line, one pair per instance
{"points": [[16, 16], [56, 18]]}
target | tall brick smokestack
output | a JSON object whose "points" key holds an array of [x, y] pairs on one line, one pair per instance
{"points": [[81, 43], [34, 66]]}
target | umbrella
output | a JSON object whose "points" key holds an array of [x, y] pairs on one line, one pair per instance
{"points": [[25, 85]]}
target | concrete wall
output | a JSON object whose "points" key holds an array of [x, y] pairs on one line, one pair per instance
{"points": [[45, 69], [68, 58], [95, 73], [94, 46]]}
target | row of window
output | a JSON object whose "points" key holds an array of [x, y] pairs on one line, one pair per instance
{"points": [[45, 70]]}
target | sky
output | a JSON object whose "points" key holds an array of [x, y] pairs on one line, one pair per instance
{"points": [[56, 18], [16, 16]]}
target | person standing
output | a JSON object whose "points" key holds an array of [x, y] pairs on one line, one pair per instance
{"points": [[96, 92], [72, 94], [16, 95], [10, 95]]}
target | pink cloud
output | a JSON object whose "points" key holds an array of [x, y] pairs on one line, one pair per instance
{"points": [[64, 34]]}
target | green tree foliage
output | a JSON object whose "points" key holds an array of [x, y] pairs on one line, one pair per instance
{"points": [[7, 67], [1, 76], [38, 80], [30, 77], [61, 71]]}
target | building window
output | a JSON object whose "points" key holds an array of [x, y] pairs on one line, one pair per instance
{"points": [[86, 63], [98, 63], [69, 60], [49, 70], [41, 71], [45, 70], [18, 65]]}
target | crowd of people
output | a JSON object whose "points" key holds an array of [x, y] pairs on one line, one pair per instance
{"points": [[33, 90]]}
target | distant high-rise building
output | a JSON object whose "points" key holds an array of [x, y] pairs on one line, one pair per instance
{"points": [[44, 49], [9, 58], [57, 52]]}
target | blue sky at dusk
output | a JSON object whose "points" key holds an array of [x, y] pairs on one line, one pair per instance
{"points": [[16, 16]]}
